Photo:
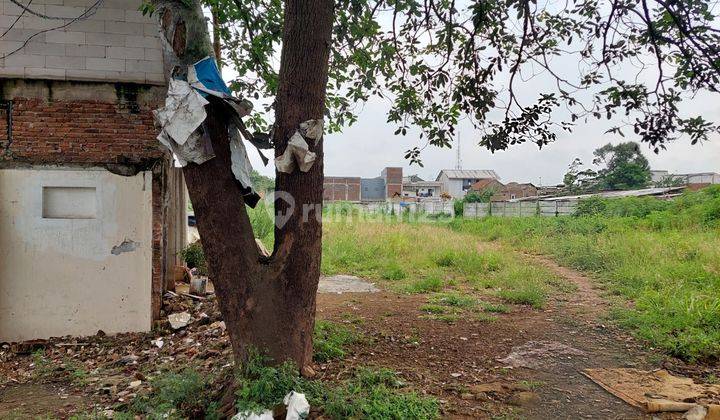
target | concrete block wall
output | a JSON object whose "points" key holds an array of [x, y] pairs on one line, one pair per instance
{"points": [[115, 44]]}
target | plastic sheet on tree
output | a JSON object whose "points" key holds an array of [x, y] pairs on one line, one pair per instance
{"points": [[297, 153], [183, 116]]}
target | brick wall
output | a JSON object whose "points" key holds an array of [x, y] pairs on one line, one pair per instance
{"points": [[116, 43], [79, 132], [341, 188], [393, 181], [79, 123]]}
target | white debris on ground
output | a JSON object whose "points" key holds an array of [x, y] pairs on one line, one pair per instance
{"points": [[342, 283]]}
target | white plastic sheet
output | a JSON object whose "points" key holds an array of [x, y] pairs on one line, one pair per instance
{"points": [[180, 119]]}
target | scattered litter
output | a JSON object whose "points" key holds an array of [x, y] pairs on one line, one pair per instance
{"points": [[198, 286], [135, 384], [456, 375], [312, 129], [537, 354], [183, 114], [297, 406], [345, 284], [659, 391], [179, 320], [159, 343]]}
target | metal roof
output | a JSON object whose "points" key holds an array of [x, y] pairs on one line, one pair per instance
{"points": [[468, 174], [618, 194]]}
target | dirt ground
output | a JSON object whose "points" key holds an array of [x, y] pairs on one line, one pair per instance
{"points": [[525, 364]]}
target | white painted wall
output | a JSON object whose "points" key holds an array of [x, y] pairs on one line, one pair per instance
{"points": [[59, 276]]}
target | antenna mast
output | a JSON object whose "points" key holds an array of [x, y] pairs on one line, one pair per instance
{"points": [[458, 160]]}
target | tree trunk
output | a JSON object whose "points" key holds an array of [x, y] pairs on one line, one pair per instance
{"points": [[267, 303]]}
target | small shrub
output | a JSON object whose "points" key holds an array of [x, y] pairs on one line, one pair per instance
{"points": [[194, 257]]}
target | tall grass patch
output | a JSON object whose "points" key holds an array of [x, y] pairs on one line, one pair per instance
{"points": [[663, 257]]}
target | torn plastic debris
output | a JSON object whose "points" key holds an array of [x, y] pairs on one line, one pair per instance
{"points": [[296, 151], [312, 129], [296, 404], [183, 116]]}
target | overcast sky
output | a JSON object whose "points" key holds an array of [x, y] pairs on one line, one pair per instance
{"points": [[368, 146]]}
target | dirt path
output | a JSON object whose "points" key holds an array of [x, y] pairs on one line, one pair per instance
{"points": [[527, 364], [580, 323]]}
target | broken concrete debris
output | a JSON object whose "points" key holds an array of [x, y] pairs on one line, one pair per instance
{"points": [[183, 117], [198, 286], [179, 320]]}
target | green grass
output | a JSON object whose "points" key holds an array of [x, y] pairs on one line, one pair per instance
{"points": [[664, 258], [430, 284], [331, 339], [420, 258], [369, 393]]}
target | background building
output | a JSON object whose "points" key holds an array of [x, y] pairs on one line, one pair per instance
{"points": [[457, 182]]}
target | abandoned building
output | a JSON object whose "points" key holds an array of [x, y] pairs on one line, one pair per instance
{"points": [[355, 189], [91, 209]]}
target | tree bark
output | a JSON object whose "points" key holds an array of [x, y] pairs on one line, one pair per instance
{"points": [[268, 304]]}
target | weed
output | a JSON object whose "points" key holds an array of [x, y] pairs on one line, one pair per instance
{"points": [[485, 317], [495, 307], [433, 309], [531, 385], [182, 394], [393, 272], [445, 259], [449, 318], [525, 296], [330, 340], [369, 393], [453, 299], [429, 284]]}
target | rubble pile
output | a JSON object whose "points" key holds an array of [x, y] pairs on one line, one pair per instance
{"points": [[115, 369]]}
